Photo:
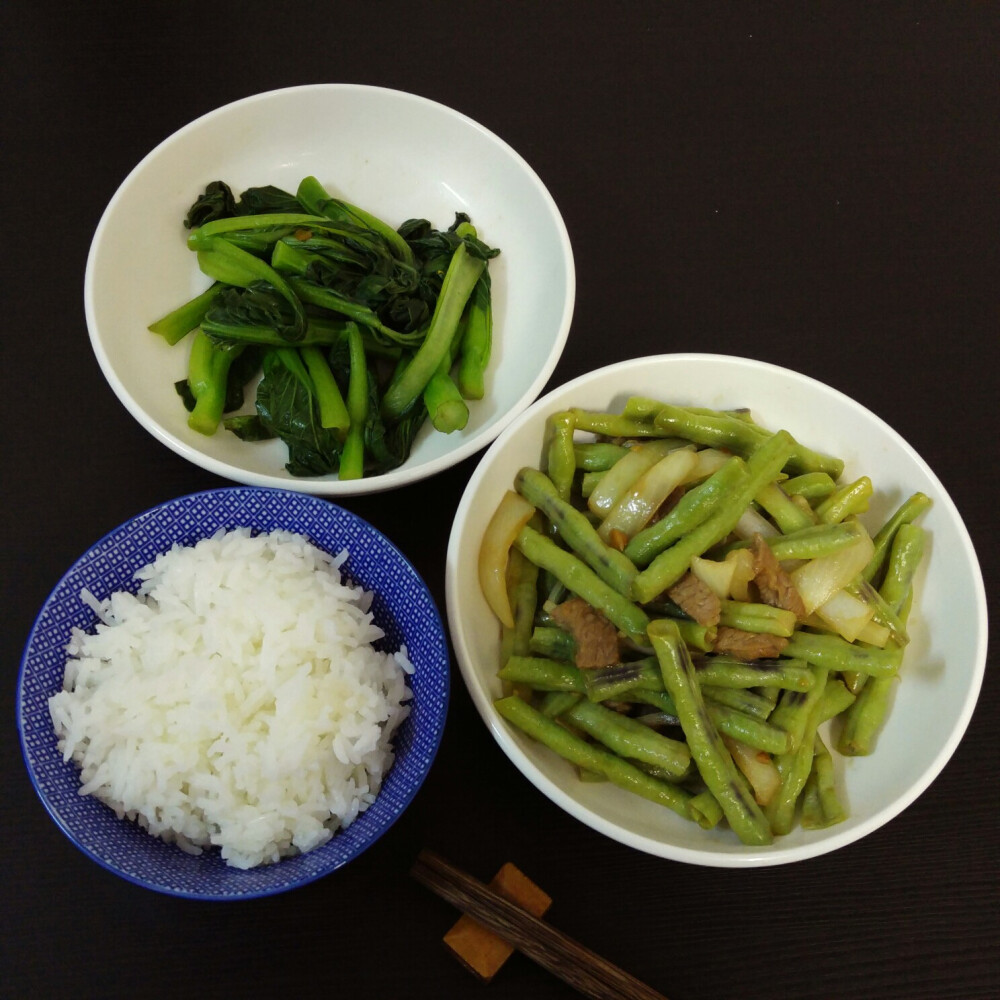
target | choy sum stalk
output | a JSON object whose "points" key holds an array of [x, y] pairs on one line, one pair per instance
{"points": [[459, 280]]}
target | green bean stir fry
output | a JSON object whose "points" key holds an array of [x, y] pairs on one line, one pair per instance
{"points": [[692, 610]]}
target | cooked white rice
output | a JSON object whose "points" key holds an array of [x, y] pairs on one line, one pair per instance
{"points": [[236, 700]]}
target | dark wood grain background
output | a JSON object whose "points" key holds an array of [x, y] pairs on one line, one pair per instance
{"points": [[810, 185]]}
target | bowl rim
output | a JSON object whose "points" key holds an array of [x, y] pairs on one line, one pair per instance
{"points": [[330, 486], [439, 716], [750, 856]]}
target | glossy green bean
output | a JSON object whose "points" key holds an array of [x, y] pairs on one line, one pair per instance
{"points": [[757, 733], [630, 739], [690, 511], [846, 501], [794, 707], [576, 530], [579, 578], [821, 806], [837, 654], [724, 430], [613, 425], [542, 674], [794, 768], [590, 757], [560, 458], [784, 511], [741, 699], [755, 617], [550, 641], [810, 485], [672, 563], [709, 753], [907, 512], [597, 456], [724, 671]]}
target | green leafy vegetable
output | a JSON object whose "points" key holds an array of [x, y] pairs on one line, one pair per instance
{"points": [[354, 329]]}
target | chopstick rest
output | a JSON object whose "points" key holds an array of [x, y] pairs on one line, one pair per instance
{"points": [[476, 947], [584, 970]]}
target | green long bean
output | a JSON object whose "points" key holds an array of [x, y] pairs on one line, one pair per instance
{"points": [[821, 807], [755, 732], [690, 511], [613, 425], [629, 738], [810, 485], [579, 578], [794, 768], [846, 501], [542, 674], [548, 640], [794, 707], [864, 719], [576, 530], [709, 753], [907, 512], [741, 699], [671, 564], [784, 511], [590, 757], [597, 456], [724, 430], [808, 543], [560, 458], [522, 587], [754, 617], [724, 671], [837, 654]]}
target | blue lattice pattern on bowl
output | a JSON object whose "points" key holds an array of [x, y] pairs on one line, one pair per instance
{"points": [[403, 607]]}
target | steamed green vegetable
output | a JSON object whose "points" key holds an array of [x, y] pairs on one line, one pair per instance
{"points": [[357, 331]]}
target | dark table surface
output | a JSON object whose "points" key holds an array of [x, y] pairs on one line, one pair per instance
{"points": [[815, 187]]}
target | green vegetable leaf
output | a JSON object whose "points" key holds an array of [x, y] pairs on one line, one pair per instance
{"points": [[267, 200], [216, 202], [286, 405], [249, 427]]}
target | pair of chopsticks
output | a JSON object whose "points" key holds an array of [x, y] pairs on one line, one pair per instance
{"points": [[584, 970]]}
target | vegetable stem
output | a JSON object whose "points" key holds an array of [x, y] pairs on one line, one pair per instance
{"points": [[460, 278]]}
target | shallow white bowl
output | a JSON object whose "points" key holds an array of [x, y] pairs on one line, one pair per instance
{"points": [[397, 155], [944, 663]]}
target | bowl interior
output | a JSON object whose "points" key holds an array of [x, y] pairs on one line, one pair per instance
{"points": [[943, 666], [402, 607], [395, 154]]}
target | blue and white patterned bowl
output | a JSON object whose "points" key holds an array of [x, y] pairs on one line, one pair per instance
{"points": [[403, 607]]}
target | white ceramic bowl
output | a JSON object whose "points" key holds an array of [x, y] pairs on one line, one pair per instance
{"points": [[944, 663], [397, 155]]}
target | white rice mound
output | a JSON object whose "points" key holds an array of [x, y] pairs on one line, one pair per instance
{"points": [[236, 701]]}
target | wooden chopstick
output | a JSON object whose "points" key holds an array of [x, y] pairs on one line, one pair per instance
{"points": [[584, 970]]}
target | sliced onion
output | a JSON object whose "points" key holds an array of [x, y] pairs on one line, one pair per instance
{"points": [[710, 460], [640, 501], [626, 471], [846, 614], [512, 514], [717, 576], [752, 523], [743, 573], [757, 767], [819, 579], [875, 635]]}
